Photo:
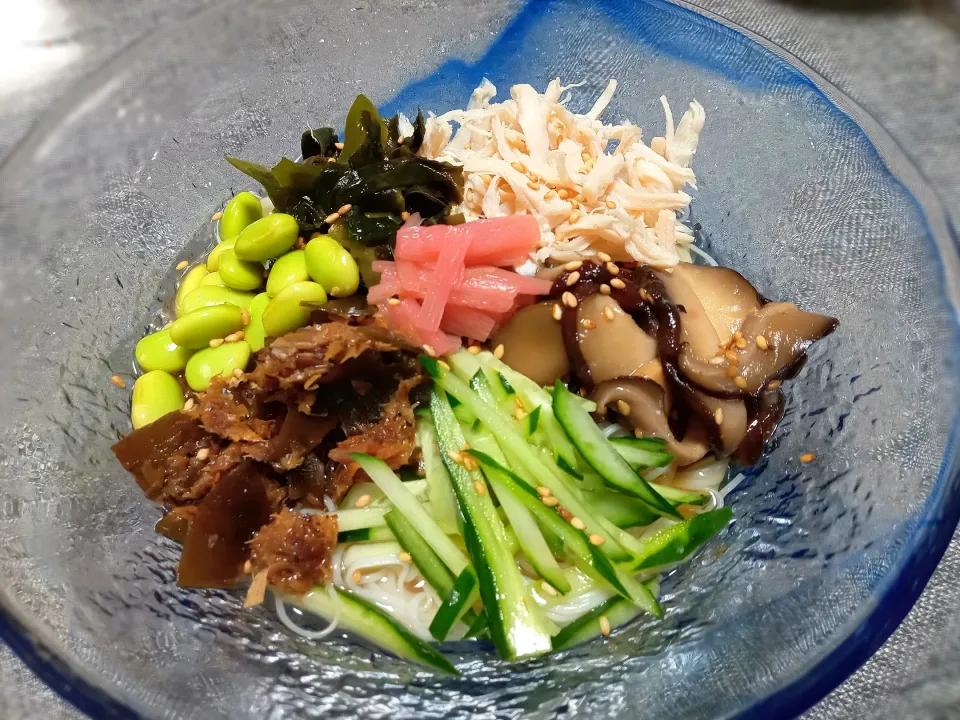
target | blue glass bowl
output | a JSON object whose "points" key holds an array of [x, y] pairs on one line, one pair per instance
{"points": [[798, 188]]}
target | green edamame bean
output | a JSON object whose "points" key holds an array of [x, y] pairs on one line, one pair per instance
{"points": [[242, 210], [213, 361], [267, 238], [155, 394], [285, 313], [213, 259], [190, 282], [207, 295], [158, 351], [331, 266], [288, 269], [213, 279], [254, 333], [240, 274], [195, 330]]}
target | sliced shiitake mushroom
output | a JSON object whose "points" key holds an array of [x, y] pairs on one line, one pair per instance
{"points": [[611, 343], [725, 295], [533, 344], [774, 338]]}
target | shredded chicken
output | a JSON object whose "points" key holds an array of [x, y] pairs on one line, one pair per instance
{"points": [[592, 187]]}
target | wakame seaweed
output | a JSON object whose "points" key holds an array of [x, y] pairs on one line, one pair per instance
{"points": [[375, 171]]}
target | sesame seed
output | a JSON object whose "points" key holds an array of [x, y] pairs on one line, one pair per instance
{"points": [[404, 557], [718, 360], [612, 269], [118, 381], [738, 335], [217, 216], [573, 265], [393, 301], [182, 265], [578, 523], [188, 405], [731, 371], [532, 185], [331, 218], [344, 209], [604, 625], [551, 194], [474, 349], [603, 257], [608, 314], [584, 156], [741, 343], [237, 373], [718, 416], [807, 457], [455, 456], [518, 401], [470, 463], [363, 501], [518, 414], [597, 540], [479, 486], [498, 351], [245, 317], [604, 289], [404, 215], [732, 357], [589, 324], [618, 283], [444, 365], [338, 146], [550, 501], [564, 194], [761, 342], [773, 385], [569, 299], [574, 216], [548, 588], [557, 312], [357, 576], [740, 381], [544, 491], [573, 278], [216, 342], [518, 166], [574, 203], [203, 454], [611, 204], [623, 407], [428, 349]]}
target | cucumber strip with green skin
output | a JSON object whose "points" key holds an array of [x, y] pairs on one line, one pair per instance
{"points": [[374, 534], [529, 536], [507, 387], [478, 626], [528, 391], [584, 553], [377, 499], [679, 541], [442, 501], [362, 518], [653, 444], [601, 455], [617, 610], [513, 444], [569, 469], [514, 619], [678, 496], [528, 426], [404, 501], [363, 618], [456, 603], [622, 510], [638, 457], [427, 561]]}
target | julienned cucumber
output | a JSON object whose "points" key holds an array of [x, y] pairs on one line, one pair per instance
{"points": [[519, 451], [363, 618], [638, 453], [678, 542], [601, 455], [361, 518], [362, 535], [622, 510], [515, 623], [455, 605], [583, 552], [616, 610], [406, 503], [438, 482]]}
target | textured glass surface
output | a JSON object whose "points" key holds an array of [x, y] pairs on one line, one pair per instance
{"points": [[104, 201]]}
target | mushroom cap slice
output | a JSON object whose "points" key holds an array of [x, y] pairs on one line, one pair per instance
{"points": [[725, 295], [533, 344], [612, 344]]}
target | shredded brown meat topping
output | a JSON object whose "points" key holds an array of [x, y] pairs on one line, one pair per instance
{"points": [[294, 550]]}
